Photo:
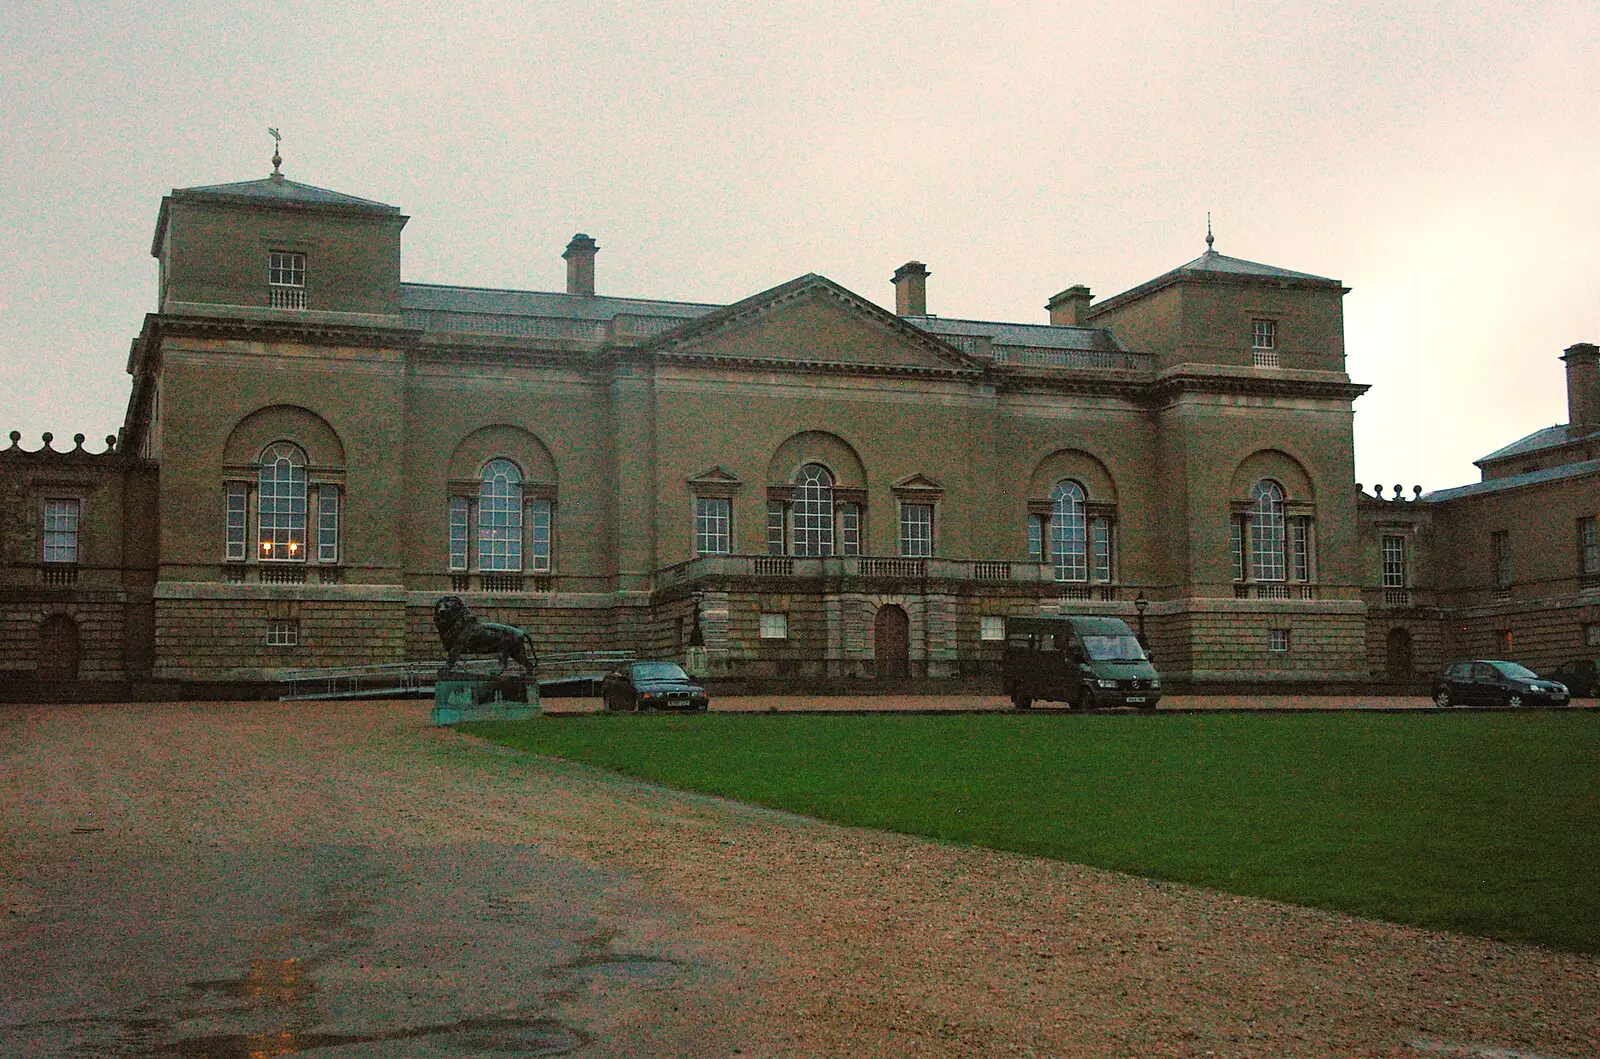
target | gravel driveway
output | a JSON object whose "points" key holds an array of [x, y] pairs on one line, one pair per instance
{"points": [[341, 880]]}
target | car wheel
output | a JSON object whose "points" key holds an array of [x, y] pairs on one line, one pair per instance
{"points": [[1514, 700], [1441, 698], [1021, 701]]}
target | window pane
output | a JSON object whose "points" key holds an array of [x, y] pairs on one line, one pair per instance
{"points": [[237, 509], [916, 530], [1036, 538], [540, 514], [1236, 547], [849, 529], [1267, 532], [1588, 546], [61, 531], [813, 511], [1394, 561], [776, 523], [992, 627], [459, 511], [500, 517], [1067, 529], [328, 524], [1300, 549], [774, 626], [1100, 536], [281, 486], [713, 526]]}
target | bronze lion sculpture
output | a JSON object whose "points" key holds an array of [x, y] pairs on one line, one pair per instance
{"points": [[462, 632]]}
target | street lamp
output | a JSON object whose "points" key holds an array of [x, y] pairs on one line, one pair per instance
{"points": [[1139, 605]]}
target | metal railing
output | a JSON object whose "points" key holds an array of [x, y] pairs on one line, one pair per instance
{"points": [[401, 679]]}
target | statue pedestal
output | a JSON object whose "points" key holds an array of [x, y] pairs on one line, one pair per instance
{"points": [[461, 697]]}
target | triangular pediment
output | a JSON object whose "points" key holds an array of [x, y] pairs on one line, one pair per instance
{"points": [[813, 323], [918, 483], [717, 475]]}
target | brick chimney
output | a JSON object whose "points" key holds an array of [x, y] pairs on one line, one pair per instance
{"points": [[911, 289], [580, 264], [1583, 387], [1070, 308]]}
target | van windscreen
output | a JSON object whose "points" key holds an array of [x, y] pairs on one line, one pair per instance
{"points": [[1113, 648]]}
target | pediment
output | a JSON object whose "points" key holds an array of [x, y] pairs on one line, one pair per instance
{"points": [[918, 483], [714, 481], [813, 323]]}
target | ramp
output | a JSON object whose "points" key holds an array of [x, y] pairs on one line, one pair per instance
{"points": [[416, 679]]}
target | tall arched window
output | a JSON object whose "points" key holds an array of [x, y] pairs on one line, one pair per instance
{"points": [[813, 511], [500, 517], [1268, 561], [1068, 539], [281, 519]]}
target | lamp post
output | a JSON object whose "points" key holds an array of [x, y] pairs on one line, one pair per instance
{"points": [[1139, 605]]}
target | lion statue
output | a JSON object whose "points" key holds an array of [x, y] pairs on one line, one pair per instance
{"points": [[462, 632]]}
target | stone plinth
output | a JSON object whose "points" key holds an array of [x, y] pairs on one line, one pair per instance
{"points": [[461, 697]]}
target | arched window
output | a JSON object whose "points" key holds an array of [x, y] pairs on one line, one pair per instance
{"points": [[500, 517], [1068, 537], [813, 511], [1268, 559], [281, 516]]}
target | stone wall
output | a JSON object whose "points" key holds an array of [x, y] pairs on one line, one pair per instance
{"points": [[99, 616]]}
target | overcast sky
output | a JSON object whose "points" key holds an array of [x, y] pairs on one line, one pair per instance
{"points": [[1441, 159]]}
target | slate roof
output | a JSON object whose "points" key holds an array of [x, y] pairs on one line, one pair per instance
{"points": [[1539, 440], [282, 190], [1212, 266], [1515, 481], [489, 300], [1038, 336]]}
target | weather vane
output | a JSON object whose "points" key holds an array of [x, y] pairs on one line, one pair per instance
{"points": [[277, 159], [1210, 239]]}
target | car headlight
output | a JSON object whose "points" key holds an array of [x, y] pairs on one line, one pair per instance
{"points": [[1155, 683], [1106, 683]]}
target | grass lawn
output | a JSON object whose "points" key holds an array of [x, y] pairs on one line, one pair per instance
{"points": [[1479, 823]]}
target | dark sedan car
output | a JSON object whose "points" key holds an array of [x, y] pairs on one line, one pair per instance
{"points": [[1494, 683], [652, 686], [1582, 677]]}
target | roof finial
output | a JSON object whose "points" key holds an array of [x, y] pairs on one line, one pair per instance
{"points": [[277, 159], [1210, 239]]}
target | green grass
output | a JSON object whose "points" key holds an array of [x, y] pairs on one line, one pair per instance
{"points": [[1484, 824]]}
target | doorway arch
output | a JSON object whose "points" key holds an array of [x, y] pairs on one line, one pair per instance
{"points": [[58, 648], [1397, 647], [892, 636]]}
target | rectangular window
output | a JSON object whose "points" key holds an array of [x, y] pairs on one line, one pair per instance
{"points": [[500, 535], [61, 531], [1236, 547], [328, 524], [849, 530], [283, 632], [713, 525], [1100, 541], [1394, 561], [237, 512], [1588, 547], [774, 626], [1267, 546], [1277, 639], [1264, 343], [460, 515], [286, 280], [1036, 538], [777, 523], [1300, 549], [916, 530], [1500, 551], [1502, 642], [992, 627], [538, 529]]}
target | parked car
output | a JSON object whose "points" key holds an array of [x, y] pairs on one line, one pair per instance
{"points": [[652, 686], [1083, 661], [1581, 677], [1490, 682]]}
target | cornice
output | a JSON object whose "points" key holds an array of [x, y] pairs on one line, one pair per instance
{"points": [[819, 367], [184, 326], [1169, 386]]}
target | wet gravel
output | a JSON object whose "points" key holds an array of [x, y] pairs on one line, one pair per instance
{"points": [[237, 879]]}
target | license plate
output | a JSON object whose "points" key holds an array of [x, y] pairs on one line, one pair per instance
{"points": [[1135, 698]]}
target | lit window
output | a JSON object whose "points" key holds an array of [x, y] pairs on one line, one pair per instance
{"points": [[813, 511], [281, 485], [1502, 642], [538, 522], [328, 524], [1264, 343], [1277, 639], [992, 627], [774, 626], [460, 531], [1267, 531], [283, 633], [61, 531], [916, 530], [1067, 532], [1588, 546], [1500, 553], [237, 511], [713, 525], [286, 280], [500, 517]]}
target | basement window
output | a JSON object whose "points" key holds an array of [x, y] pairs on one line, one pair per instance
{"points": [[283, 632]]}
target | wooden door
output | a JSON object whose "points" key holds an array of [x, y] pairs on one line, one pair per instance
{"points": [[58, 648], [893, 647], [1399, 652]]}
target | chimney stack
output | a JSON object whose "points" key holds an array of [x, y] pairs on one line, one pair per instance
{"points": [[911, 289], [580, 264], [1583, 387], [1070, 308]]}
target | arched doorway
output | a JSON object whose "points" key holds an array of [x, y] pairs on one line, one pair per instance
{"points": [[1399, 653], [58, 648], [893, 642]]}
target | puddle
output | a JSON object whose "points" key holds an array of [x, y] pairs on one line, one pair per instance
{"points": [[511, 1036]]}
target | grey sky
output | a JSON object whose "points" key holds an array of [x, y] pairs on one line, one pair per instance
{"points": [[1443, 159]]}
